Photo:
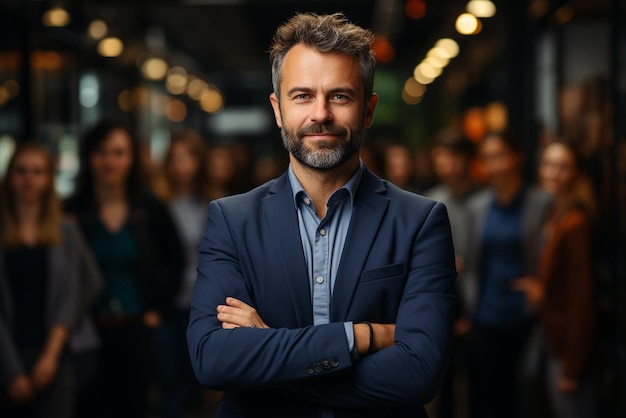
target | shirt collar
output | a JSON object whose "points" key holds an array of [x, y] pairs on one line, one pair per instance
{"points": [[351, 186]]}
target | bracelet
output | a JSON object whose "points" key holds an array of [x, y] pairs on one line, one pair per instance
{"points": [[370, 347]]}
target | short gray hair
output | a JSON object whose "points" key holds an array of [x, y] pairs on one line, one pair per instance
{"points": [[324, 33]]}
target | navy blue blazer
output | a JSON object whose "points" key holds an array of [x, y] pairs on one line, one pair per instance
{"points": [[397, 267]]}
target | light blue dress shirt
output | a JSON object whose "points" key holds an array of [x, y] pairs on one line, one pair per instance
{"points": [[323, 241]]}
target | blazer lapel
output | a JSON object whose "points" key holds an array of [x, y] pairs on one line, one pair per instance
{"points": [[283, 220], [369, 208]]}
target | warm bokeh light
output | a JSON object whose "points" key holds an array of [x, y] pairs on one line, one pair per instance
{"points": [[141, 96], [538, 8], [176, 82], [125, 100], [410, 100], [450, 46], [4, 96], [436, 61], [196, 88], [419, 75], [56, 17], [176, 110], [481, 8], [46, 60], [110, 47], [564, 14], [385, 52], [496, 117], [97, 29], [474, 125], [212, 101], [413, 88], [416, 9], [467, 24], [154, 68]]}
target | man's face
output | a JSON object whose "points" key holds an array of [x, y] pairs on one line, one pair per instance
{"points": [[322, 111]]}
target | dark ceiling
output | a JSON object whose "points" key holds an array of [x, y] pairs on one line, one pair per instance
{"points": [[228, 35]]}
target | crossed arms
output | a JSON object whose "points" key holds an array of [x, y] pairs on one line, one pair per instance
{"points": [[406, 369]]}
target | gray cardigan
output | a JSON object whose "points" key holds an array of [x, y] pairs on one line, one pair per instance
{"points": [[536, 205], [73, 284]]}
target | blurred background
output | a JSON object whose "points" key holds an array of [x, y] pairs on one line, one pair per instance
{"points": [[540, 68]]}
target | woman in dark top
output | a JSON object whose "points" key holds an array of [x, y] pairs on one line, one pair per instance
{"points": [[139, 253], [505, 241], [42, 260]]}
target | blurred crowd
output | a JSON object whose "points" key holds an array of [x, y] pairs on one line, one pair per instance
{"points": [[95, 290]]}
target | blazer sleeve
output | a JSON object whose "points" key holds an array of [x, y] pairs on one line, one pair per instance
{"points": [[10, 362], [64, 298], [580, 309], [411, 371], [249, 358]]}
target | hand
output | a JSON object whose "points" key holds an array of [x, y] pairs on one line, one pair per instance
{"points": [[152, 319], [20, 390], [566, 385], [237, 314], [531, 287], [44, 371]]}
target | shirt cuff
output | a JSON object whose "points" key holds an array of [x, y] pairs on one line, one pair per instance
{"points": [[350, 338]]}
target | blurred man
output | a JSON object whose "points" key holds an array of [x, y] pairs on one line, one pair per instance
{"points": [[452, 154]]}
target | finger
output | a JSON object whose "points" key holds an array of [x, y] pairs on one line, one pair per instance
{"points": [[228, 325], [234, 318], [230, 301]]}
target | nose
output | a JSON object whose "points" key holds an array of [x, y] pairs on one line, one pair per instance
{"points": [[321, 112]]}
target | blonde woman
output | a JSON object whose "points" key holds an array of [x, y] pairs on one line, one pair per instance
{"points": [[42, 260]]}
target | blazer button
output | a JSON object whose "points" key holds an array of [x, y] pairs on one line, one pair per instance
{"points": [[326, 364], [334, 362], [309, 369], [318, 368]]}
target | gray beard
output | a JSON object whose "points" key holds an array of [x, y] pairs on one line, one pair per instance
{"points": [[326, 155]]}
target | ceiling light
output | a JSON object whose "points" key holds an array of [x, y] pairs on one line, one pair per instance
{"points": [[450, 46], [110, 47], [154, 68], [56, 17], [481, 8], [466, 24], [97, 29]]}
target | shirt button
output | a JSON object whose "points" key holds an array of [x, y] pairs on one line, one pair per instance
{"points": [[307, 201], [319, 279], [323, 232]]}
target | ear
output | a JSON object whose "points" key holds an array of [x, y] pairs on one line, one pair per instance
{"points": [[370, 107], [276, 107]]}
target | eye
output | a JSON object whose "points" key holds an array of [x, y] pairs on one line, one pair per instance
{"points": [[339, 97], [302, 97]]}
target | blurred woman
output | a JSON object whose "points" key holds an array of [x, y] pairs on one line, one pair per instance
{"points": [[504, 246], [42, 259], [139, 253], [183, 186], [563, 292]]}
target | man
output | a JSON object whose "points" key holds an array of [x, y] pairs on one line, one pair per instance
{"points": [[326, 292]]}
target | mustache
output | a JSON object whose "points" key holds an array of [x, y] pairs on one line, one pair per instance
{"points": [[322, 128]]}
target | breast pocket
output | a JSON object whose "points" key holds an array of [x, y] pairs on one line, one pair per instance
{"points": [[379, 293], [382, 273]]}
